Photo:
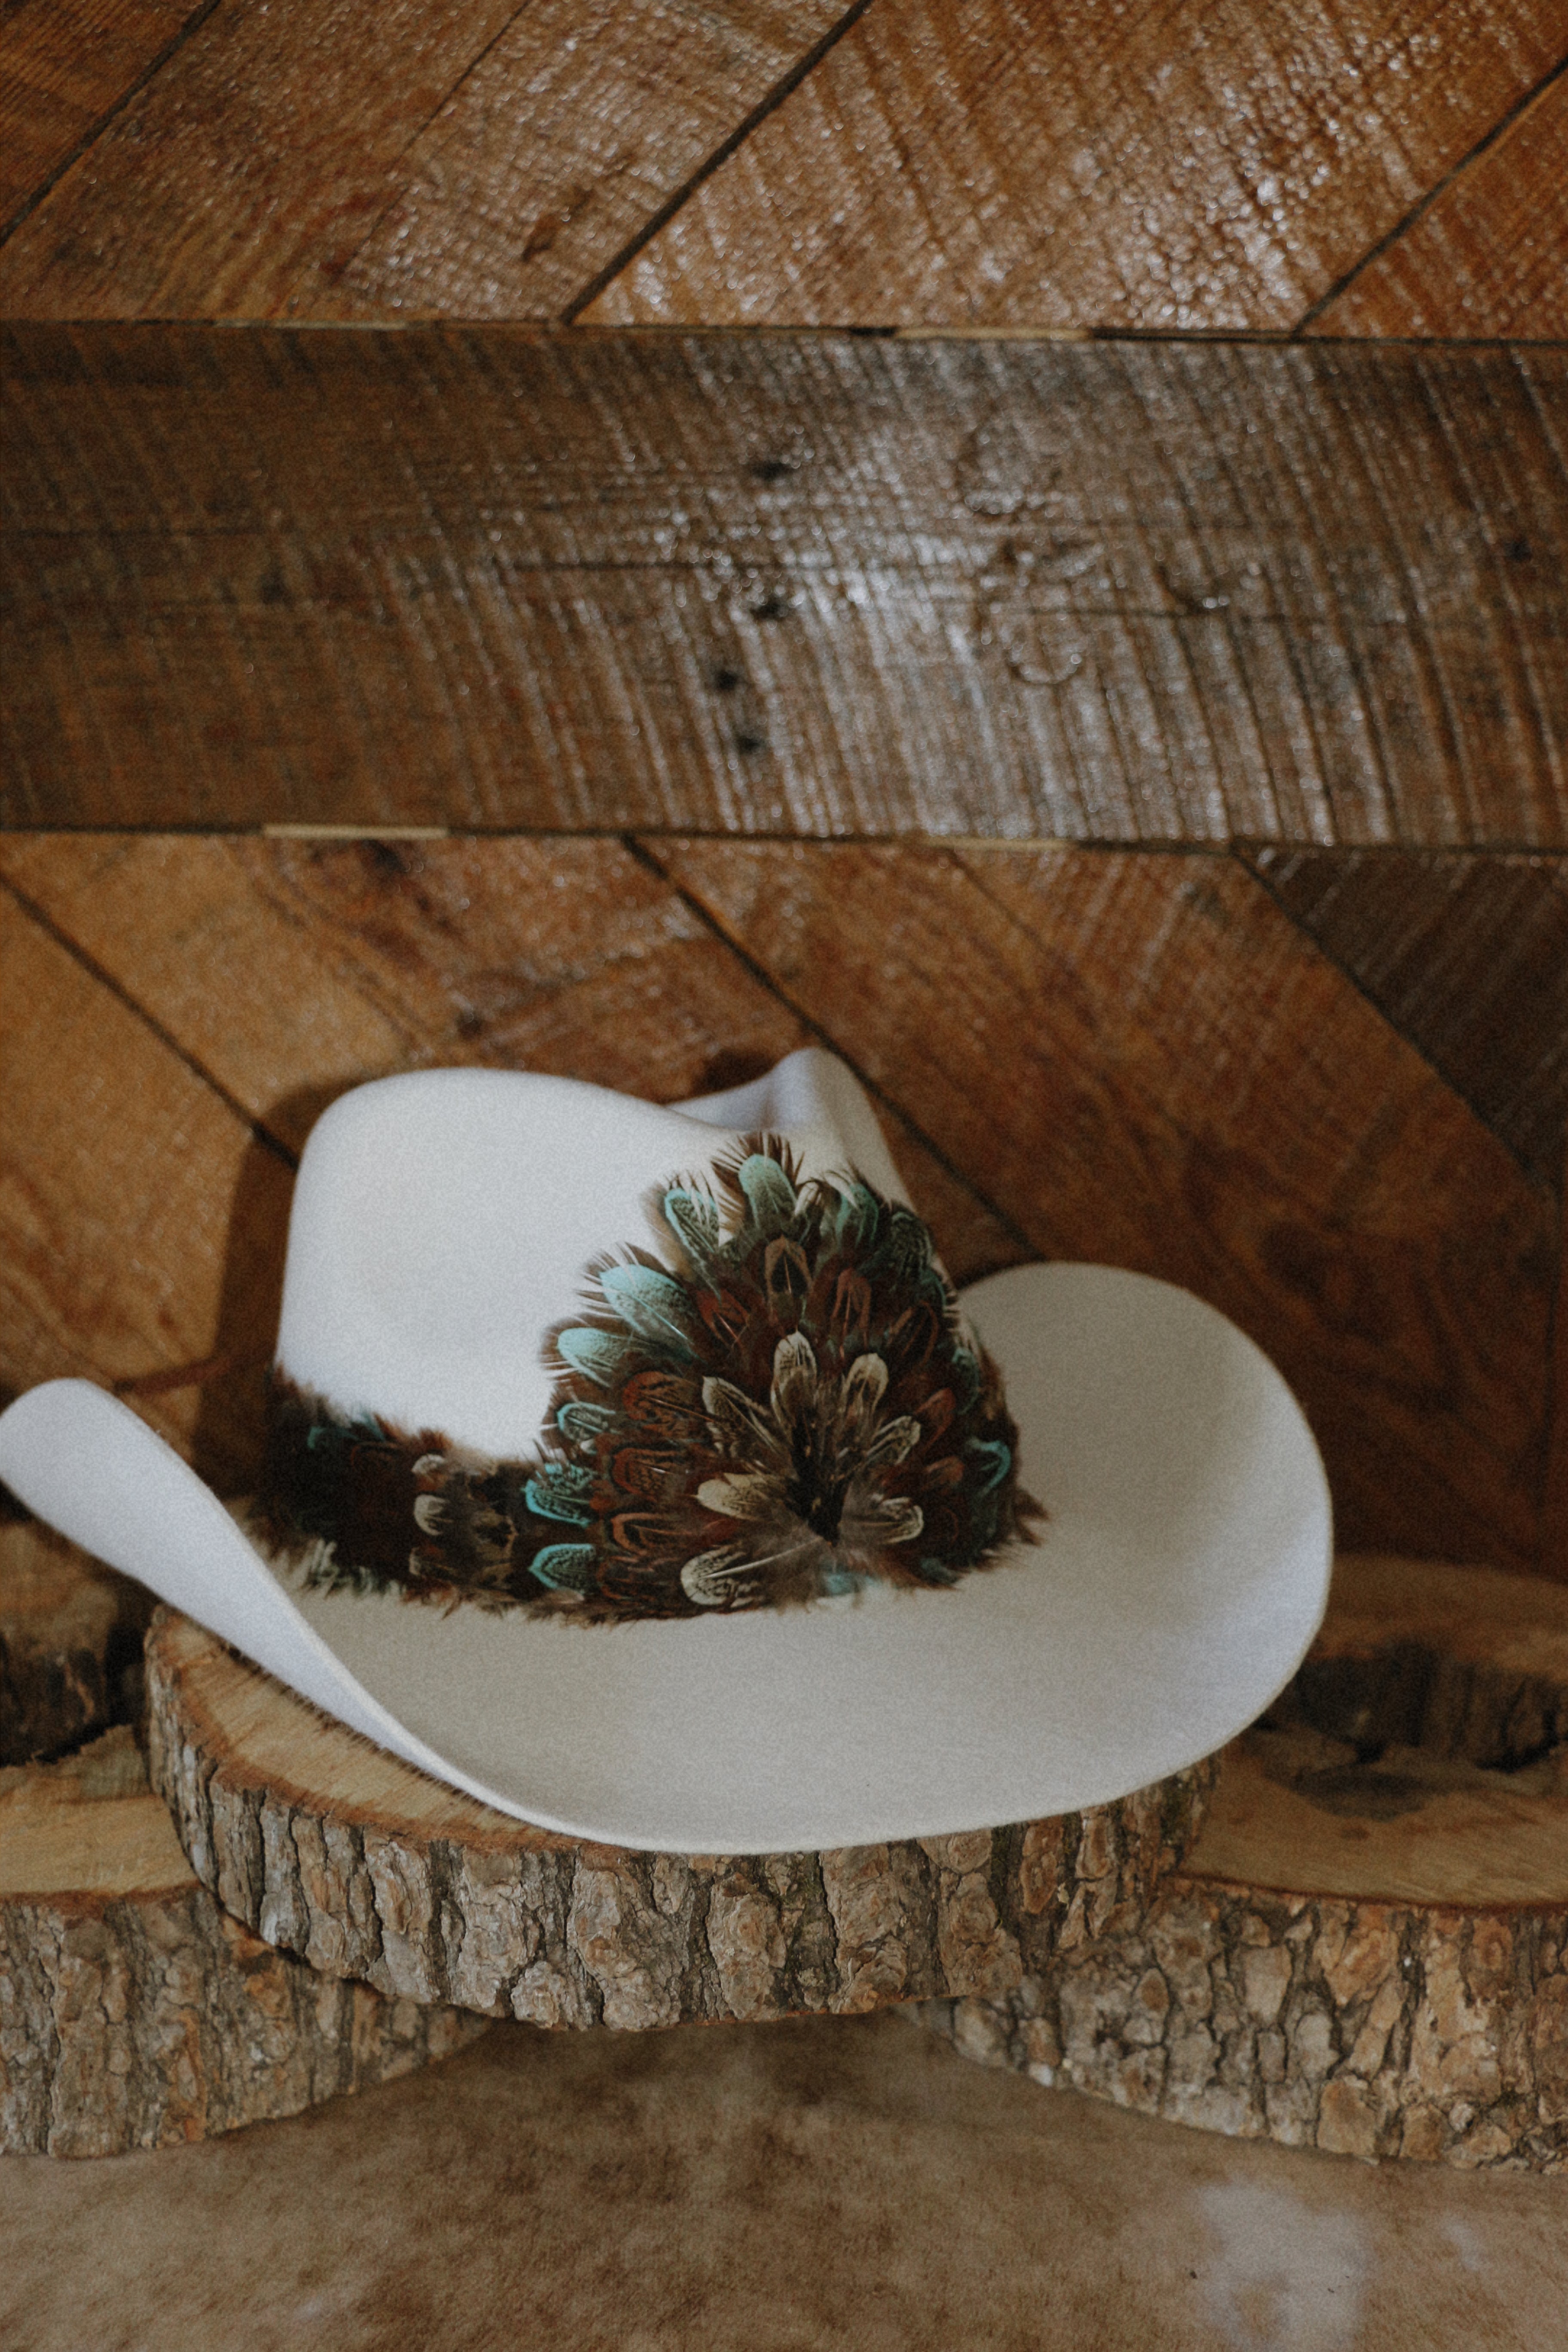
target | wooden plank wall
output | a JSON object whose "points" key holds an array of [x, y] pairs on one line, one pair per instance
{"points": [[873, 524], [1210, 164], [789, 584]]}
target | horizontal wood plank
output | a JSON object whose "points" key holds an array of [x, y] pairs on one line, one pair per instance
{"points": [[1141, 1061], [1468, 957], [1488, 256], [468, 158], [787, 584], [1206, 165]]}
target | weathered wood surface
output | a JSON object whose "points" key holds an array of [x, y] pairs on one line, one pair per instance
{"points": [[1488, 256], [1143, 1062], [1333, 1194], [472, 158], [1203, 166], [1210, 165], [787, 584], [340, 1853], [143, 1221], [1367, 1949], [1467, 957], [70, 1645], [66, 67], [134, 2014]]}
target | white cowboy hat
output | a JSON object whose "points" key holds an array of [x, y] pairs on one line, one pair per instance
{"points": [[719, 1487]]}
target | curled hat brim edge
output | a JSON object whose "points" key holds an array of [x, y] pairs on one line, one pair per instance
{"points": [[1178, 1584]]}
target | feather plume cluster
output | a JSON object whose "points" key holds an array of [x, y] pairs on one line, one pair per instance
{"points": [[785, 1409]]}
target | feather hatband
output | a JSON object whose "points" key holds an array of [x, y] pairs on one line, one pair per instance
{"points": [[785, 1407]]}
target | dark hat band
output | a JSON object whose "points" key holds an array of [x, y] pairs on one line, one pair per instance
{"points": [[792, 1413]]}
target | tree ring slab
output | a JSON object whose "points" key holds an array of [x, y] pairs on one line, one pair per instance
{"points": [[134, 2012], [337, 1852], [1367, 1948]]}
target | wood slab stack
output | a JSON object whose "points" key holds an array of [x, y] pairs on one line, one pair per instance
{"points": [[1367, 1949], [365, 1867], [135, 2012]]}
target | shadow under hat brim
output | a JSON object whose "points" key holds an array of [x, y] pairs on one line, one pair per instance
{"points": [[1179, 1579]]}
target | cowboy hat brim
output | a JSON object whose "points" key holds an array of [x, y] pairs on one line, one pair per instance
{"points": [[1178, 1581]]}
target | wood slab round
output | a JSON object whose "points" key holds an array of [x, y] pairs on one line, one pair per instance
{"points": [[133, 2011], [336, 1851], [1367, 1948]]}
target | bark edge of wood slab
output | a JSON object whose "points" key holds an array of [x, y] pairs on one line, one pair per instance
{"points": [[333, 1850], [1308, 1976], [134, 2012]]}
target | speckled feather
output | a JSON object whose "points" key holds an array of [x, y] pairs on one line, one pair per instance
{"points": [[786, 1408]]}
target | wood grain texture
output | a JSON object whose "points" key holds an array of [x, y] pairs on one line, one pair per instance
{"points": [[1206, 165], [70, 1645], [140, 2015], [143, 1222], [293, 970], [569, 136], [65, 67], [290, 971], [475, 158], [1142, 1062], [1488, 256], [798, 585], [362, 1866], [1367, 1949], [1468, 957]]}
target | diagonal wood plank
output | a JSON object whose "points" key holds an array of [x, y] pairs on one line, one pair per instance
{"points": [[1468, 957], [141, 1221], [1488, 256], [1206, 165], [291, 970], [65, 67], [563, 144], [1140, 1060], [476, 157], [787, 584]]}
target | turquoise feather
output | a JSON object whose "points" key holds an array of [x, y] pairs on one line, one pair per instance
{"points": [[999, 1457], [569, 1568], [856, 1219], [562, 1491], [652, 1305], [770, 1195], [580, 1425], [597, 1355], [694, 1220]]}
